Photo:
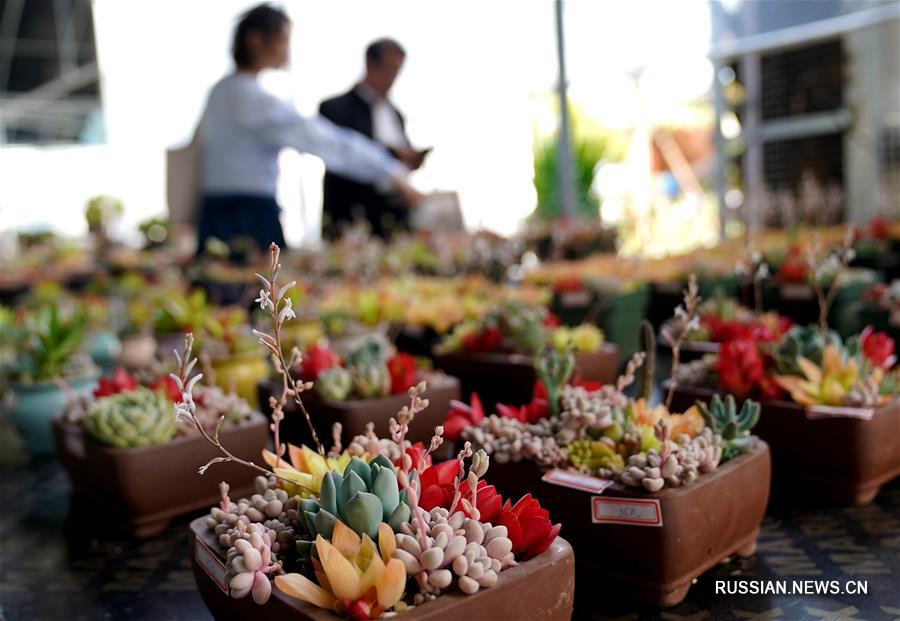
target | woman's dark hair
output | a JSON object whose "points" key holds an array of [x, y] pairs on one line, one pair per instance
{"points": [[265, 20]]}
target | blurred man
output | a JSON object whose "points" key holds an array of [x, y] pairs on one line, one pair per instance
{"points": [[367, 109]]}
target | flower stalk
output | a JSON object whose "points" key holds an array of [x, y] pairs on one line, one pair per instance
{"points": [[687, 317], [272, 298], [186, 409]]}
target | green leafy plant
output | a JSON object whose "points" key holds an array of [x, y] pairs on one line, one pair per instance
{"points": [[803, 341], [183, 313], [554, 369], [129, 419], [587, 153], [100, 210], [723, 417], [50, 341], [155, 231]]}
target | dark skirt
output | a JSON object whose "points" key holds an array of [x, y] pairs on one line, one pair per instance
{"points": [[233, 217]]}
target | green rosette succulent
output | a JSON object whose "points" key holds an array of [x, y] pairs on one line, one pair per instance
{"points": [[807, 341], [723, 417], [363, 497], [334, 384], [137, 418], [371, 380]]}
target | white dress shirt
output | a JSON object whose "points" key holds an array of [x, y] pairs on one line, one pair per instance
{"points": [[386, 127], [244, 127]]}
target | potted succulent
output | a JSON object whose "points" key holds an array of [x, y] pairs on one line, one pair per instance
{"points": [[123, 447], [49, 362], [367, 385], [351, 534], [233, 353], [817, 390], [630, 481], [176, 315], [809, 279], [495, 355], [100, 212], [722, 320]]}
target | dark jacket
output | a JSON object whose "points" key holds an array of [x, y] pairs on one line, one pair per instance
{"points": [[344, 199]]}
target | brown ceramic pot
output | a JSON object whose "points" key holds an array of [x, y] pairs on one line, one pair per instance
{"points": [[509, 378], [701, 524], [146, 487], [354, 415], [539, 589], [842, 459]]}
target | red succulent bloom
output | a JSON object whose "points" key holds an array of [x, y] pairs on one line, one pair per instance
{"points": [[488, 500], [768, 389], [879, 228], [462, 416], [530, 413], [794, 268], [416, 452], [568, 284], [490, 338], [551, 320], [166, 385], [404, 372], [528, 526], [436, 484], [317, 358], [121, 381], [739, 366], [487, 340], [878, 348]]}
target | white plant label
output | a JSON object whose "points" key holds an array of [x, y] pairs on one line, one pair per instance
{"points": [[825, 411], [574, 299], [574, 480], [210, 563], [629, 511], [797, 291]]}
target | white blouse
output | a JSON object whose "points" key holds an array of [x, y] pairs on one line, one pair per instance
{"points": [[244, 127]]}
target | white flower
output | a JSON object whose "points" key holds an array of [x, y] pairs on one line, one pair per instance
{"points": [[264, 300], [183, 413], [286, 312]]}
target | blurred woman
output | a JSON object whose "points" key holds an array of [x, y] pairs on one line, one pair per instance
{"points": [[244, 128]]}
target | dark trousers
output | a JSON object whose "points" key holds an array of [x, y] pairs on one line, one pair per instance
{"points": [[233, 216]]}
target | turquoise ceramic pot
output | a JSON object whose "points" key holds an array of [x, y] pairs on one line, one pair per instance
{"points": [[35, 405], [105, 349]]}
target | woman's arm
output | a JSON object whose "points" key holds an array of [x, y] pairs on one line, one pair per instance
{"points": [[344, 151]]}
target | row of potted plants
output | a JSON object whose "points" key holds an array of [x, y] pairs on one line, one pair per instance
{"points": [[606, 465]]}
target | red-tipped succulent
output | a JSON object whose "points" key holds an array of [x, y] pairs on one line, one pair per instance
{"points": [[437, 485], [404, 372], [121, 381], [488, 340], [877, 348], [739, 367], [489, 500], [166, 385], [318, 358], [528, 526], [462, 415]]}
